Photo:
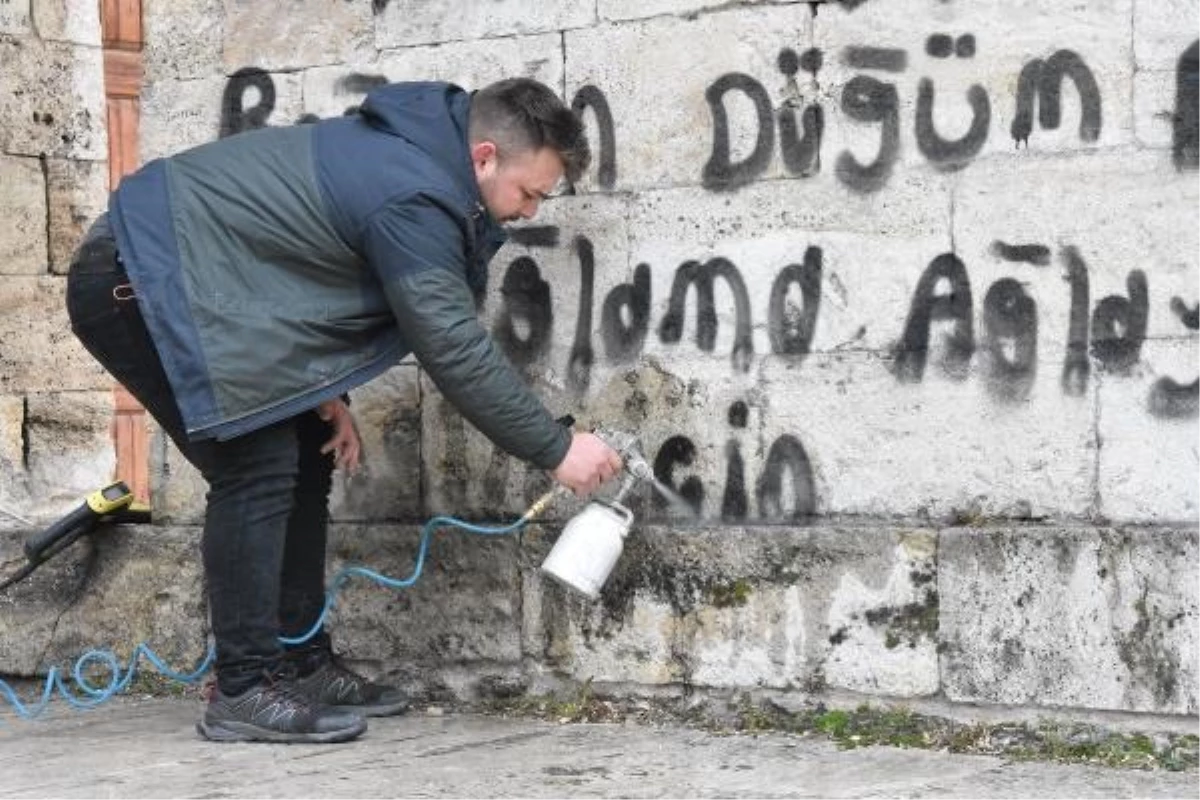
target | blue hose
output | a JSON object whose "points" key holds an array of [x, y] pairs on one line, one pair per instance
{"points": [[90, 695]]}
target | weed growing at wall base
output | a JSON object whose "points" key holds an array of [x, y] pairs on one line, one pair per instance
{"points": [[867, 726]]}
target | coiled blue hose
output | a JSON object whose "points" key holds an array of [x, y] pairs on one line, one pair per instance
{"points": [[90, 695]]}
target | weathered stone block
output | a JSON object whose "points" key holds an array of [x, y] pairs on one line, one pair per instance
{"points": [[178, 115], [387, 412], [862, 282], [1147, 425], [296, 35], [464, 610], [885, 633], [914, 204], [474, 64], [14, 491], [682, 419], [401, 23], [944, 447], [656, 90], [177, 490], [960, 51], [1162, 29], [12, 433], [52, 99], [1154, 109], [76, 21], [121, 586], [38, 352], [1071, 246], [465, 475], [184, 39], [331, 91], [22, 217], [15, 17], [739, 607], [30, 609], [1083, 618], [337, 90], [78, 193], [70, 448]]}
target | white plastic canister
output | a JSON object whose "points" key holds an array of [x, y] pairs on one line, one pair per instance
{"points": [[589, 547]]}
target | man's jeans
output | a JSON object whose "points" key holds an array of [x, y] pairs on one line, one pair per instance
{"points": [[267, 503]]}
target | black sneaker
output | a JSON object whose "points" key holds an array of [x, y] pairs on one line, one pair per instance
{"points": [[330, 683], [275, 711]]}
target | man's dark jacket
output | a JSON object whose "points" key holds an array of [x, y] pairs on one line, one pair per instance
{"points": [[279, 268]]}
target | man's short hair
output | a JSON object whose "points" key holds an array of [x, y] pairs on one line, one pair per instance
{"points": [[520, 114]]}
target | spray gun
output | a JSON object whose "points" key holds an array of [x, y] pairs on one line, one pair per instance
{"points": [[592, 541], [629, 447], [111, 503]]}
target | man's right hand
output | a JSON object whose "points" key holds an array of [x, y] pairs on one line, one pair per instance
{"points": [[588, 463]]}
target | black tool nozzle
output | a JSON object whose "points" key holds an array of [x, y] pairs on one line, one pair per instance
{"points": [[42, 544]]}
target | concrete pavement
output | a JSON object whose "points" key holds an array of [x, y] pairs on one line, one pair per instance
{"points": [[149, 748]]}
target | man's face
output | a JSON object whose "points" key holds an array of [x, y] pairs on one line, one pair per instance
{"points": [[512, 186]]}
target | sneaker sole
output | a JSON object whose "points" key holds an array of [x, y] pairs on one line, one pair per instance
{"points": [[233, 731], [379, 710]]}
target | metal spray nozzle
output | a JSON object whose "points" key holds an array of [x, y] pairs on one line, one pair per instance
{"points": [[636, 463], [630, 450]]}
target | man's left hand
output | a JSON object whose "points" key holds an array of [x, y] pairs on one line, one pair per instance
{"points": [[344, 444]]}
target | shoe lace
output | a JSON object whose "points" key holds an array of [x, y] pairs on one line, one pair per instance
{"points": [[281, 683]]}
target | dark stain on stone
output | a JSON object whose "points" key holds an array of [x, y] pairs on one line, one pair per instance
{"points": [[637, 405], [920, 577], [681, 587], [816, 683], [685, 585], [685, 662], [1012, 654], [502, 687], [908, 623], [730, 595], [1145, 652], [1064, 554], [575, 771]]}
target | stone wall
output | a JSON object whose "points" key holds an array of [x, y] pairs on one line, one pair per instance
{"points": [[55, 403], [902, 298]]}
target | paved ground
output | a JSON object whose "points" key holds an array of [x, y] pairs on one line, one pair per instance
{"points": [[149, 748]]}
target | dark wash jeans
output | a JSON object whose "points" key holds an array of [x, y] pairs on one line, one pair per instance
{"points": [[268, 491]]}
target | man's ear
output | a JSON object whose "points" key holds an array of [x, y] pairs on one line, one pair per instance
{"points": [[483, 156]]}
